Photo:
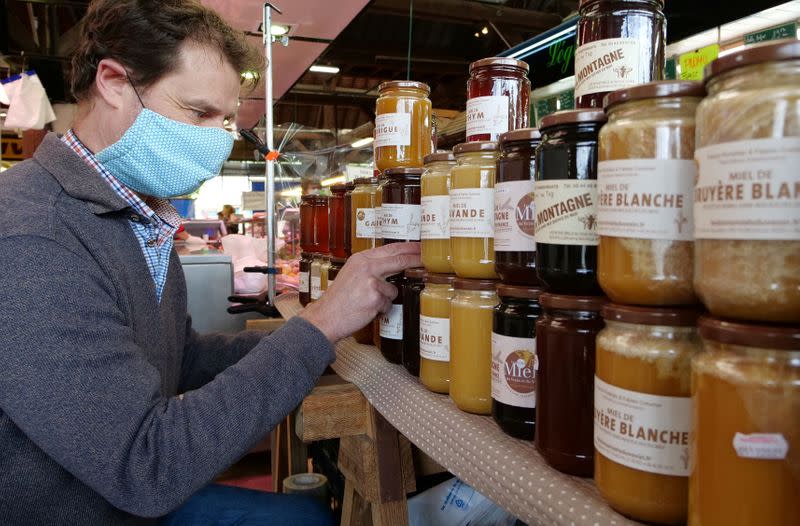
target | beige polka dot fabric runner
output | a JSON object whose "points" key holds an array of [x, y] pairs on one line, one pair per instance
{"points": [[507, 470]]}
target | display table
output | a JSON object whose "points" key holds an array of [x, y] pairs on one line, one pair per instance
{"points": [[472, 447]]}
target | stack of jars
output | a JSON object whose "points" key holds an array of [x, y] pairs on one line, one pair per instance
{"points": [[403, 137], [683, 424], [459, 303]]}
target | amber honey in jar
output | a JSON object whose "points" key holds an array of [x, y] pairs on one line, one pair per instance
{"points": [[745, 425], [642, 410], [336, 221], [321, 211], [400, 205], [471, 319], [472, 210], [363, 215], [514, 211], [565, 351], [308, 242], [403, 121], [434, 332], [747, 196], [621, 43], [514, 364], [565, 198], [498, 97], [645, 178], [435, 216]]}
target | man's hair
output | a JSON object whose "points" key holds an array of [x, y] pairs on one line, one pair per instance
{"points": [[146, 36]]}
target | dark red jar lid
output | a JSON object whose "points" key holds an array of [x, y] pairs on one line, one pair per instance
{"points": [[308, 198], [560, 118], [655, 90], [673, 317], [499, 61], [439, 157], [339, 188], [764, 336], [519, 291], [440, 279], [565, 302], [474, 147], [753, 55], [475, 284], [524, 134], [405, 84], [415, 273]]}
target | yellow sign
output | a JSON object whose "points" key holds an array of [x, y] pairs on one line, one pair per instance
{"points": [[692, 64]]}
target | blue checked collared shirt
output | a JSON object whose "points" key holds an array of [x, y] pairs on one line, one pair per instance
{"points": [[154, 223]]}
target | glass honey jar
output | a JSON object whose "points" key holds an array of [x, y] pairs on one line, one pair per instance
{"points": [[363, 215], [390, 339], [435, 217], [498, 97], [565, 197], [514, 210], [745, 444], [621, 43], [403, 124], [642, 410], [472, 210], [434, 332], [412, 289], [645, 178], [471, 319], [747, 196], [336, 221], [400, 205]]}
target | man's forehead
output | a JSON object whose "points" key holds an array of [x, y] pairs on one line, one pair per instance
{"points": [[203, 76]]}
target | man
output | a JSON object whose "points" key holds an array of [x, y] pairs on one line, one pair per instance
{"points": [[112, 409]]}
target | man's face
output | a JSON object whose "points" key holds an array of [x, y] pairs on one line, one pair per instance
{"points": [[203, 90]]}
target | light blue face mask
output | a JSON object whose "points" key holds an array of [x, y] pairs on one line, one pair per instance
{"points": [[160, 157]]}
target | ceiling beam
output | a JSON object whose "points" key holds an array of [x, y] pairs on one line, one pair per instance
{"points": [[458, 11]]}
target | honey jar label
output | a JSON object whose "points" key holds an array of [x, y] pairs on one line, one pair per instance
{"points": [[435, 217], [514, 217], [316, 287], [748, 190], [434, 338], [305, 285], [366, 223], [393, 129], [566, 211], [642, 431], [400, 221], [646, 198], [487, 115], [606, 65], [514, 366], [763, 446], [472, 212], [391, 323]]}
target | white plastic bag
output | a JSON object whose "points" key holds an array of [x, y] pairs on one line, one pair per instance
{"points": [[455, 503], [29, 107], [246, 252]]}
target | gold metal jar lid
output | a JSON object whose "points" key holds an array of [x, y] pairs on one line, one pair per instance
{"points": [[405, 84], [439, 157]]}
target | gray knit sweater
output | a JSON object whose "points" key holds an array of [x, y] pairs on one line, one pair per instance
{"points": [[112, 409]]}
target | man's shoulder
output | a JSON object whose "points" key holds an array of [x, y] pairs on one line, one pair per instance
{"points": [[28, 194]]}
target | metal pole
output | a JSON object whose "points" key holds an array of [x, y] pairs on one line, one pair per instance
{"points": [[270, 141]]}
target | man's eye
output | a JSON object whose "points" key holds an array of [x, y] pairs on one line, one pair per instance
{"points": [[201, 114]]}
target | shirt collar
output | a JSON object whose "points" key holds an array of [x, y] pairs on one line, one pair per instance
{"points": [[159, 210]]}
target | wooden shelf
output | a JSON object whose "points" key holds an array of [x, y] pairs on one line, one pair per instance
{"points": [[509, 471]]}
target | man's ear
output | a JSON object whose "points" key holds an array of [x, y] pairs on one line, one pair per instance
{"points": [[111, 82]]}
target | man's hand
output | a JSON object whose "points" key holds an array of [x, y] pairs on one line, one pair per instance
{"points": [[360, 290]]}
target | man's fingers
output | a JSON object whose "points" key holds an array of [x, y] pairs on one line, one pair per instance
{"points": [[394, 249], [392, 259], [387, 290]]}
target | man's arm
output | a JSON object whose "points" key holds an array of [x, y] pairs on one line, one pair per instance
{"points": [[74, 381], [205, 356]]}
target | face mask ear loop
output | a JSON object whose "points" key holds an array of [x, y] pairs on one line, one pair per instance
{"points": [[135, 91]]}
